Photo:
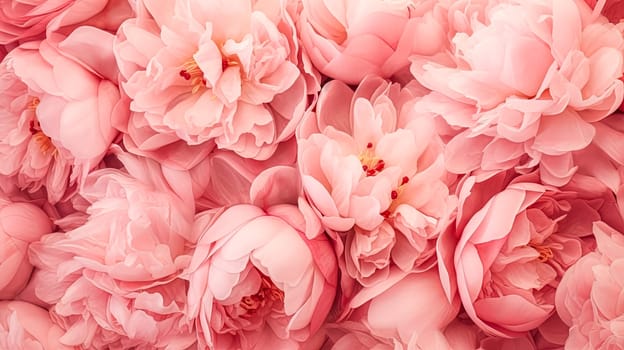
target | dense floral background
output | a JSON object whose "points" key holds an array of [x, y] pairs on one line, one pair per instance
{"points": [[312, 174]]}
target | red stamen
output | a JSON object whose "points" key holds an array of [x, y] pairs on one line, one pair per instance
{"points": [[371, 172], [394, 194], [380, 165], [369, 145], [364, 167], [224, 64], [386, 214], [404, 180]]}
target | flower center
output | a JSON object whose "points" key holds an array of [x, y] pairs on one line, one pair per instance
{"points": [[545, 253], [267, 294], [45, 143], [371, 164], [394, 194], [191, 72]]}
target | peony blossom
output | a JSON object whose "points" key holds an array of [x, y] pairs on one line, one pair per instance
{"points": [[204, 73], [388, 316], [26, 326], [20, 225], [522, 85], [589, 296], [350, 39], [113, 281], [46, 87], [27, 20], [514, 246], [260, 279], [386, 207]]}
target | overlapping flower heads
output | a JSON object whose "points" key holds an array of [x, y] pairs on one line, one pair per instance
{"points": [[314, 174]]}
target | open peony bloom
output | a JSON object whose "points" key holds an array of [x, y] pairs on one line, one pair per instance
{"points": [[54, 96], [350, 39], [20, 225], [113, 281], [200, 73], [515, 246], [373, 171], [523, 83], [26, 326], [589, 297], [260, 279]]}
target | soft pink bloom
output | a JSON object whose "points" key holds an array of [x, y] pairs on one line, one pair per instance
{"points": [[612, 9], [389, 316], [199, 73], [514, 246], [26, 326], [589, 298], [522, 84], [113, 281], [373, 170], [27, 20], [58, 103], [20, 225], [260, 279], [349, 39]]}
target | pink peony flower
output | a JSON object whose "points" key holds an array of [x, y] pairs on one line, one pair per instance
{"points": [[46, 88], [514, 246], [388, 316], [589, 296], [27, 20], [20, 225], [386, 207], [113, 281], [203, 73], [260, 279], [510, 109], [350, 39], [26, 326]]}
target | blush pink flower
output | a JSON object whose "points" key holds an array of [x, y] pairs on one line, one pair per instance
{"points": [[589, 296], [349, 39], [390, 317], [57, 106], [514, 246], [20, 225], [199, 73], [511, 109], [386, 206], [27, 20], [113, 281], [26, 326], [260, 279]]}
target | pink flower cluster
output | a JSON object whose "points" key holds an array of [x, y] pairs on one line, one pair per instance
{"points": [[312, 175]]}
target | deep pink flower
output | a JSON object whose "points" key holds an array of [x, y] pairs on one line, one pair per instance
{"points": [[612, 9], [589, 298], [113, 281], [514, 246], [58, 103], [260, 279], [200, 73], [26, 326], [373, 170], [20, 225], [522, 84]]}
